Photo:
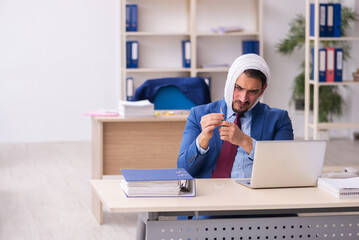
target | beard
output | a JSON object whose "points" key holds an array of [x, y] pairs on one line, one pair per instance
{"points": [[240, 107]]}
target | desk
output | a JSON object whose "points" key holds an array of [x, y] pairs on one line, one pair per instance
{"points": [[225, 197], [119, 142]]}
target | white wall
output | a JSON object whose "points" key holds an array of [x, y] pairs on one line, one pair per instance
{"points": [[59, 59]]}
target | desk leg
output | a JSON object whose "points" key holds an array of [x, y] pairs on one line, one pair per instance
{"points": [[141, 227], [97, 208], [97, 166]]}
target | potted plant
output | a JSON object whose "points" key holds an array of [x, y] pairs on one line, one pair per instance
{"points": [[330, 99]]}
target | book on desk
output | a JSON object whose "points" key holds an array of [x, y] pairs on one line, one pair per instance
{"points": [[341, 188], [170, 182]]}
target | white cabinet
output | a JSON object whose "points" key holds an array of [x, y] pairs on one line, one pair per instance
{"points": [[163, 24], [311, 117]]}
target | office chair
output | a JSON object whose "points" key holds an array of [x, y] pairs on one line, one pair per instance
{"points": [[174, 93]]}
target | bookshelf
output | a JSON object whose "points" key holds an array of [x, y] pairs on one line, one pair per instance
{"points": [[313, 123], [160, 50]]}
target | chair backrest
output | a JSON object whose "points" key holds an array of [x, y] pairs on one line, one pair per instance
{"points": [[174, 93], [171, 97]]}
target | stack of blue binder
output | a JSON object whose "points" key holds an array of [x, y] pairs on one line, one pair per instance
{"points": [[330, 22]]}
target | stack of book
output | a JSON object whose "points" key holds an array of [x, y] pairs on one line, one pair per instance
{"points": [[341, 188], [143, 108], [170, 182], [329, 19]]}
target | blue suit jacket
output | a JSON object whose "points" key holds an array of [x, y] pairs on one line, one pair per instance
{"points": [[267, 124]]}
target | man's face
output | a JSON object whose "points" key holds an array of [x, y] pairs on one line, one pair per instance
{"points": [[246, 92]]}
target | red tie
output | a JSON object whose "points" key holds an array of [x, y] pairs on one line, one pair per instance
{"points": [[226, 157]]}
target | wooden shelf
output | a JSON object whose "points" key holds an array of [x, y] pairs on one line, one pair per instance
{"points": [[314, 123], [147, 70], [345, 82], [160, 46], [335, 38]]}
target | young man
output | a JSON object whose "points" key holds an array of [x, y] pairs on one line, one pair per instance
{"points": [[217, 144]]}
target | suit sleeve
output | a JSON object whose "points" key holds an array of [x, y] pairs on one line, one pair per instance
{"points": [[284, 129], [189, 157]]}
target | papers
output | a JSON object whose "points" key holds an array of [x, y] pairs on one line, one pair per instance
{"points": [[158, 183], [102, 113], [341, 188], [143, 108]]}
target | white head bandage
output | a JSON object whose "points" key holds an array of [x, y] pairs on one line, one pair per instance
{"points": [[242, 63]]}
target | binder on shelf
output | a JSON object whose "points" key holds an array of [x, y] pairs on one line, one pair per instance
{"points": [[341, 188], [330, 20], [330, 64], [131, 17], [130, 89], [186, 53], [132, 54], [128, 17], [170, 182], [337, 20], [322, 19], [322, 62], [338, 65], [250, 46]]}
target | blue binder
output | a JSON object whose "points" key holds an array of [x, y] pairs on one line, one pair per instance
{"points": [[132, 54], [312, 14], [322, 19], [338, 68], [170, 182], [128, 17], [130, 89], [337, 20], [131, 17], [250, 46], [322, 63], [186, 53], [330, 20]]}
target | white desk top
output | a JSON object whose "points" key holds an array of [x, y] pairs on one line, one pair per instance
{"points": [[220, 195]]}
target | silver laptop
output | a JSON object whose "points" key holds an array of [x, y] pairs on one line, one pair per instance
{"points": [[286, 164]]}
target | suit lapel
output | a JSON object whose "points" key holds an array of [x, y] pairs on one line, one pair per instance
{"points": [[257, 122]]}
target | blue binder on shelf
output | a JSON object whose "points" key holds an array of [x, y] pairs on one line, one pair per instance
{"points": [[322, 19], [130, 89], [323, 7], [186, 53], [170, 182], [250, 46], [337, 20], [132, 54], [128, 17], [338, 68], [322, 64], [131, 17], [330, 20]]}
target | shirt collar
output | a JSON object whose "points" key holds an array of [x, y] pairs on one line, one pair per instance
{"points": [[247, 114]]}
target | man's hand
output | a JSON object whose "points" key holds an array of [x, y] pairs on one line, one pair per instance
{"points": [[230, 132], [208, 123]]}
